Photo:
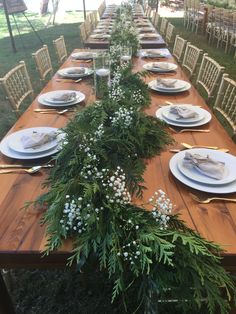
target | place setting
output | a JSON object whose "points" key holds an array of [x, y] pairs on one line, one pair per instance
{"points": [[32, 143], [160, 67], [170, 86], [83, 55], [149, 36], [60, 99], [207, 170], [154, 53], [75, 72], [183, 115], [101, 36]]}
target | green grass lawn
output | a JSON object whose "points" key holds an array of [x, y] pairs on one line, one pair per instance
{"points": [[28, 43]]}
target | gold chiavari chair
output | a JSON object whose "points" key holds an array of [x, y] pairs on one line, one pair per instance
{"points": [[60, 48], [191, 58], [157, 19], [83, 35], [17, 86], [169, 33], [88, 26], [163, 26], [178, 47], [209, 75], [210, 21], [43, 62], [225, 103]]}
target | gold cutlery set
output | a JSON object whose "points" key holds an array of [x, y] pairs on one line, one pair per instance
{"points": [[60, 112], [69, 80], [22, 168]]}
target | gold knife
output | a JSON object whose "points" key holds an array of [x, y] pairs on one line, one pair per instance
{"points": [[25, 166]]}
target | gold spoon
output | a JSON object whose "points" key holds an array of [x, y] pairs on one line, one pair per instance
{"points": [[209, 199], [30, 171], [58, 112]]}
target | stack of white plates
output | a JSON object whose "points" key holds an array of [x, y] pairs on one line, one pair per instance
{"points": [[155, 53], [72, 72], [202, 116], [83, 55], [51, 98], [149, 36], [11, 145], [195, 179], [160, 67], [178, 86], [100, 36]]}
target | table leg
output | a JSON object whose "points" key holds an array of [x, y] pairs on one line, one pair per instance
{"points": [[6, 306]]}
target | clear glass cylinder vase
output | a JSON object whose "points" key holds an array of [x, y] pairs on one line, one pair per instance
{"points": [[101, 74]]}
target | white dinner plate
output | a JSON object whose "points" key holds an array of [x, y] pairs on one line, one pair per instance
{"points": [[83, 55], [148, 36], [49, 97], [100, 36], [216, 189], [206, 119], [7, 151], [42, 99], [180, 87], [15, 143], [193, 174], [155, 53], [160, 66], [65, 72], [174, 117]]}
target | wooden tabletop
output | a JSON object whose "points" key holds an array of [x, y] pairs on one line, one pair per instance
{"points": [[22, 238]]}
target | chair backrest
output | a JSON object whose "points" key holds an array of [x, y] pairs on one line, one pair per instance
{"points": [[17, 86], [226, 102], [191, 58], [163, 26], [60, 48], [43, 62], [178, 47], [154, 17], [169, 33], [209, 75], [157, 19], [82, 31], [88, 26]]}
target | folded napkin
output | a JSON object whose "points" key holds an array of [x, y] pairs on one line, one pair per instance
{"points": [[205, 165], [64, 97], [148, 36], [166, 82], [36, 139], [183, 112], [76, 71], [162, 66]]}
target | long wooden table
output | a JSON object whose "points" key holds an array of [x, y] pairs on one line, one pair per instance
{"points": [[22, 238]]}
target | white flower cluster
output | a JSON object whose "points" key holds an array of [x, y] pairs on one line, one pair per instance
{"points": [[130, 252], [123, 117], [137, 96], [162, 208], [116, 93], [89, 140], [116, 190], [91, 172], [76, 215]]}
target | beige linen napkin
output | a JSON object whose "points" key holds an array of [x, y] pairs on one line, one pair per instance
{"points": [[36, 139], [162, 66], [76, 71], [64, 97], [166, 82], [205, 165], [183, 112]]}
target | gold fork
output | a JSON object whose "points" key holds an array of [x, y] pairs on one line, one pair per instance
{"points": [[209, 199], [189, 130]]}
